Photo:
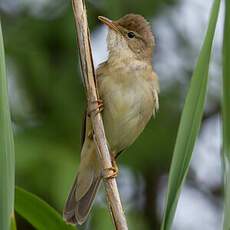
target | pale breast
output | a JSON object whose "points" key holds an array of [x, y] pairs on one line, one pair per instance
{"points": [[128, 106]]}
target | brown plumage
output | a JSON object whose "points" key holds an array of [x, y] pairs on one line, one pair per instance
{"points": [[129, 89], [137, 23]]}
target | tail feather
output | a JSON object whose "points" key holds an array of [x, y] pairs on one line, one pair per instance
{"points": [[76, 212], [69, 209], [84, 189], [85, 203]]}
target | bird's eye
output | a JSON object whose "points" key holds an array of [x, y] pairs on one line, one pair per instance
{"points": [[131, 35]]}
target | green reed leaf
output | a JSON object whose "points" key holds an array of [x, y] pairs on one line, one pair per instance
{"points": [[7, 165], [190, 122], [38, 213]]}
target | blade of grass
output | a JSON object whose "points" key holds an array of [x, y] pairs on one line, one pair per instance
{"points": [[6, 148], [38, 213], [226, 114], [190, 122]]}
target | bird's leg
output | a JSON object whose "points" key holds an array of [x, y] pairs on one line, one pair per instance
{"points": [[114, 164], [95, 106], [111, 172]]}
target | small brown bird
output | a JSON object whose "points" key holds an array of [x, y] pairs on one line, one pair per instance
{"points": [[128, 87]]}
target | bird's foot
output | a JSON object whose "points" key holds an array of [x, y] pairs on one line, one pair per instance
{"points": [[95, 107], [113, 171], [114, 163], [110, 173]]}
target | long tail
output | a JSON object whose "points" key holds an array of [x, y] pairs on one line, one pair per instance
{"points": [[84, 189]]}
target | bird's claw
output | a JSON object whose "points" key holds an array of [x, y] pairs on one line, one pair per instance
{"points": [[95, 107], [110, 173]]}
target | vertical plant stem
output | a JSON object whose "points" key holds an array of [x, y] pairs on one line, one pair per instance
{"points": [[6, 149], [99, 139], [226, 114]]}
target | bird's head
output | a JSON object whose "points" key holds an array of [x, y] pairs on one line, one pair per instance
{"points": [[130, 36]]}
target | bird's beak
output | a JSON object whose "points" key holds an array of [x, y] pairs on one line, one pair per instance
{"points": [[109, 23]]}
